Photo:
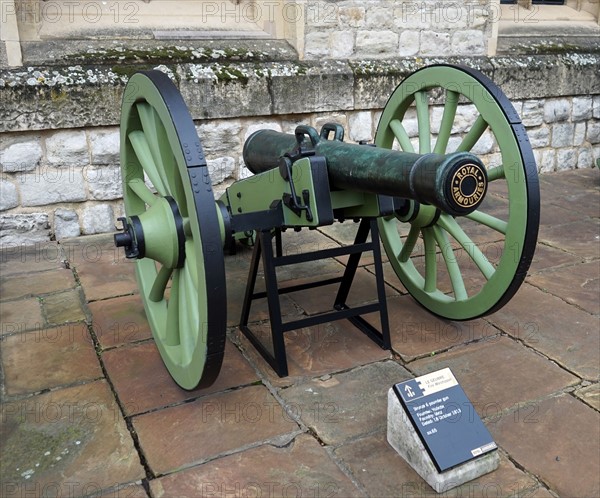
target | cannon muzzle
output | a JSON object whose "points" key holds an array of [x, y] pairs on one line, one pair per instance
{"points": [[455, 183]]}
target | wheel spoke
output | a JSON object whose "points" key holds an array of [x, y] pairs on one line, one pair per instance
{"points": [[489, 221], [160, 284], [157, 139], [400, 133], [142, 150], [140, 189], [474, 134], [447, 121], [430, 260], [175, 298], [422, 103], [409, 244], [495, 173], [449, 224], [458, 284], [188, 314], [190, 260]]}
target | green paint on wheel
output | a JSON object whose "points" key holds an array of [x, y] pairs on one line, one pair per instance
{"points": [[157, 190], [429, 257]]}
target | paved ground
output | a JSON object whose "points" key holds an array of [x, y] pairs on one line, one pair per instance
{"points": [[88, 406]]}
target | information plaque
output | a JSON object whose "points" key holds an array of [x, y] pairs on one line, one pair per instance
{"points": [[444, 419]]}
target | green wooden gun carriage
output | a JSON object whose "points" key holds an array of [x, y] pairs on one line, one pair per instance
{"points": [[434, 204]]}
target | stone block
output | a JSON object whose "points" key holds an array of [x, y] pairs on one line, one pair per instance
{"points": [[485, 144], [353, 17], [24, 229], [532, 113], [465, 117], [409, 43], [67, 148], [585, 158], [65, 96], [547, 161], [221, 169], [556, 110], [435, 43], [470, 42], [66, 224], [526, 77], [403, 438], [20, 156], [596, 106], [105, 145], [342, 44], [380, 17], [409, 15], [563, 134], [324, 87], [582, 108], [539, 137], [566, 159], [316, 44], [51, 186], [361, 126], [8, 195], [226, 91], [377, 43], [593, 132], [219, 137], [98, 219], [579, 136], [104, 182]]}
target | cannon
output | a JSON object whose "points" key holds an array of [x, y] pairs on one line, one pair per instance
{"points": [[436, 206]]}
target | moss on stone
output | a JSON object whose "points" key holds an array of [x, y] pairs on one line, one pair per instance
{"points": [[228, 74], [33, 450]]}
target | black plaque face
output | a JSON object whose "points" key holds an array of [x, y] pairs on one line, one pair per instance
{"points": [[444, 418]]}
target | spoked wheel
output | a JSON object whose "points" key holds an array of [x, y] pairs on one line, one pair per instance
{"points": [[173, 229], [462, 267]]}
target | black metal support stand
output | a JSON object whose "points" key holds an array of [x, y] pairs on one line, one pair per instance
{"points": [[263, 249]]}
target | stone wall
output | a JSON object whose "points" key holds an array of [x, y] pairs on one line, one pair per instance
{"points": [[59, 183], [380, 28]]}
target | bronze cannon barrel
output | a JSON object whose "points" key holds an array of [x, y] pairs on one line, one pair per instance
{"points": [[455, 183]]}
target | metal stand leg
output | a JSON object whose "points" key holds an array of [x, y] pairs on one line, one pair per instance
{"points": [[263, 250]]}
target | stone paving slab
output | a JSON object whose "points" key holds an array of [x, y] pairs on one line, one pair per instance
{"points": [[415, 332], [132, 369], [383, 472], [300, 468], [557, 440], [48, 358], [14, 286], [559, 282], [212, 426], [26, 314], [498, 373], [119, 321], [546, 257], [314, 351], [346, 405], [590, 395], [16, 259], [68, 442], [546, 323]]}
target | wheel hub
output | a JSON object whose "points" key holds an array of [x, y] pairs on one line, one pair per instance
{"points": [[157, 234]]}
